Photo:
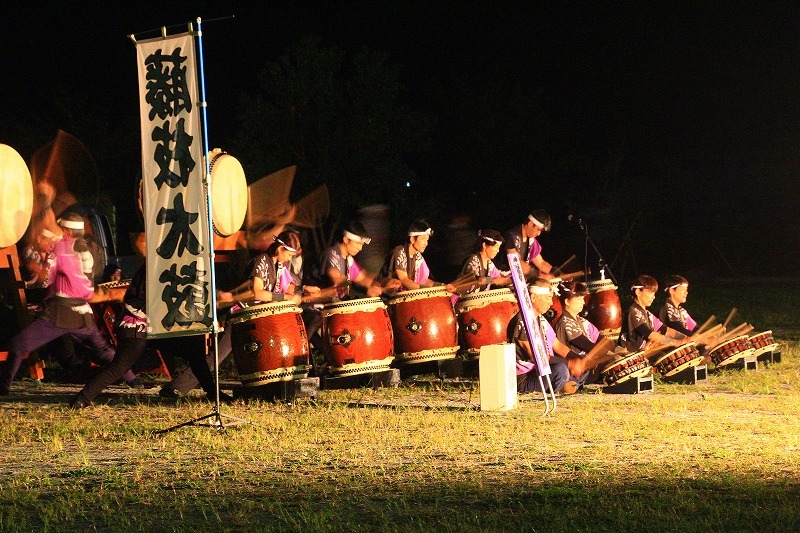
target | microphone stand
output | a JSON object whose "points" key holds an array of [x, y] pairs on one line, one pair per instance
{"points": [[600, 261]]}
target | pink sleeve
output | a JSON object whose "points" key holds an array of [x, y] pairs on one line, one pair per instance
{"points": [[66, 276], [285, 281], [657, 324], [594, 333], [354, 270]]}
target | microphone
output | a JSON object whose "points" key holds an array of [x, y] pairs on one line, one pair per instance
{"points": [[572, 218]]}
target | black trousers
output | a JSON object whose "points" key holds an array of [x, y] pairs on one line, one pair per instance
{"points": [[130, 348]]}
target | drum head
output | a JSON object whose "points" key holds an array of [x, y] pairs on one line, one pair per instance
{"points": [[16, 196], [228, 193]]}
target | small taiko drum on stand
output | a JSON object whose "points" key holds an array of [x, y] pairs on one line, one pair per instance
{"points": [[730, 351], [483, 319], [357, 337], [269, 343], [625, 367], [762, 343], [678, 359], [424, 324], [603, 308], [228, 193]]}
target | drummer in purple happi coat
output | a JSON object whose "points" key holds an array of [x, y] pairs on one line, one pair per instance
{"points": [[522, 240], [640, 327], [271, 277], [338, 266], [672, 313], [481, 263], [406, 263]]}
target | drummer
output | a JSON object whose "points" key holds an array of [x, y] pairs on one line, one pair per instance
{"points": [[572, 329], [406, 263], [67, 310], [37, 258], [521, 240], [641, 328], [338, 266], [566, 364], [481, 264], [272, 280], [672, 313], [132, 341]]}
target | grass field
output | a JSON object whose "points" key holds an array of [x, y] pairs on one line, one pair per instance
{"points": [[723, 455]]}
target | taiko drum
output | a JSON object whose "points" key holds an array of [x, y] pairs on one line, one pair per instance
{"points": [[603, 308], [483, 319], [424, 324], [357, 337], [269, 343]]}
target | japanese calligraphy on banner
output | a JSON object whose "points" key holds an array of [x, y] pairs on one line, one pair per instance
{"points": [[174, 198]]}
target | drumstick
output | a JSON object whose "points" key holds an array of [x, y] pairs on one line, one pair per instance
{"points": [[563, 266], [471, 277], [730, 316], [700, 337], [741, 329], [604, 345], [572, 275], [325, 294], [241, 297], [704, 326]]}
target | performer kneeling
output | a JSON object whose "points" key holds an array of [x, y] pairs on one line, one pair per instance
{"points": [[573, 330], [566, 365], [132, 341], [641, 328]]}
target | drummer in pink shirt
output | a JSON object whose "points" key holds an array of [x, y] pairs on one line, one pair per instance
{"points": [[67, 311]]}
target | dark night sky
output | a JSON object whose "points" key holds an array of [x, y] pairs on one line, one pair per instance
{"points": [[709, 88]]}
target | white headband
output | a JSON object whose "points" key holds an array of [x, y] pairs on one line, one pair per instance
{"points": [[535, 289], [286, 246], [535, 222], [676, 286], [49, 234], [357, 238], [70, 224], [428, 231]]}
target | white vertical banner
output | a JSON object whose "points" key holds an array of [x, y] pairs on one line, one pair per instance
{"points": [[174, 198]]}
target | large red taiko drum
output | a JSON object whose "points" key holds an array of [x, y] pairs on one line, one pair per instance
{"points": [[269, 343], [424, 324], [483, 319], [603, 308], [357, 337]]}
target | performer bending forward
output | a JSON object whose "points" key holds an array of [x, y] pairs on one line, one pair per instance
{"points": [[132, 341], [67, 311], [481, 263], [521, 240]]}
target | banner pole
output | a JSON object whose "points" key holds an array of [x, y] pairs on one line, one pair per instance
{"points": [[209, 212], [215, 413]]}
